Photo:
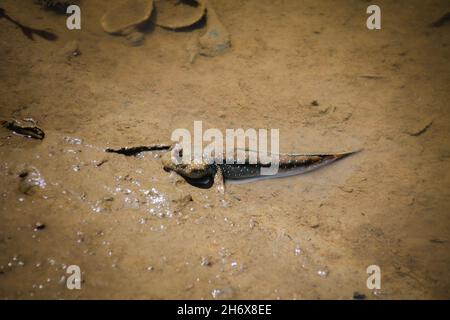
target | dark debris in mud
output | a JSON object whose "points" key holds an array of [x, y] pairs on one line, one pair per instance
{"points": [[39, 226], [359, 296], [31, 131], [59, 6], [134, 151], [422, 130], [445, 19], [29, 32]]}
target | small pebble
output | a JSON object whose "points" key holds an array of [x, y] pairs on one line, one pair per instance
{"points": [[39, 226]]}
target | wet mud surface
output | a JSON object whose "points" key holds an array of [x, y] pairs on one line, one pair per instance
{"points": [[309, 68]]}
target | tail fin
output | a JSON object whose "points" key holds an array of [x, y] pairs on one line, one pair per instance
{"points": [[342, 155]]}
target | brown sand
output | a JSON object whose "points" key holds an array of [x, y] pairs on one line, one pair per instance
{"points": [[387, 206]]}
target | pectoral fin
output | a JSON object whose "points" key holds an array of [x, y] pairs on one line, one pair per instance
{"points": [[219, 182]]}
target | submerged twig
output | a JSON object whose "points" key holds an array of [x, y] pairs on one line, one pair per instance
{"points": [[371, 76], [134, 151], [421, 131]]}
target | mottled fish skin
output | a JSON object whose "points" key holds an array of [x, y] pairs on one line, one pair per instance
{"points": [[289, 165]]}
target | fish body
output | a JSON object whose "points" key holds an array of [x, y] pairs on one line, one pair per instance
{"points": [[243, 171], [288, 165]]}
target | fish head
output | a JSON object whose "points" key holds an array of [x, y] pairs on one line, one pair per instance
{"points": [[174, 161]]}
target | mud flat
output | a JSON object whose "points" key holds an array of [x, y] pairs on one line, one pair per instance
{"points": [[309, 68]]}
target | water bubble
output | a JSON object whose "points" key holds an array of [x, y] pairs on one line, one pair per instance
{"points": [[72, 140], [157, 203], [323, 273], [222, 293], [132, 203]]}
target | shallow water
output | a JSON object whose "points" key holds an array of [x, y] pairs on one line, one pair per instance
{"points": [[137, 231]]}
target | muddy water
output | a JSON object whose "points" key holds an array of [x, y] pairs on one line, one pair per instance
{"points": [[136, 231]]}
